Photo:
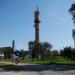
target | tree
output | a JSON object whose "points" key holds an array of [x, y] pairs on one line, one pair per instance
{"points": [[40, 49], [7, 52], [55, 52], [47, 46], [34, 48], [61, 52], [22, 54], [67, 52], [73, 53], [31, 45]]}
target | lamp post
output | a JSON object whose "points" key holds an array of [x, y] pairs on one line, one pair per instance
{"points": [[72, 11]]}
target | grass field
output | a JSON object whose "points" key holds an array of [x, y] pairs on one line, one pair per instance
{"points": [[8, 65], [49, 60]]}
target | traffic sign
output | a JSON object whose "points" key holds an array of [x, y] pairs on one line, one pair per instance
{"points": [[17, 52]]}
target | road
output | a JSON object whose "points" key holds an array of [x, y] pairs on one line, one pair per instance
{"points": [[40, 70]]}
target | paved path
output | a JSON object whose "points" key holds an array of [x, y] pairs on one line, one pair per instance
{"points": [[40, 70]]}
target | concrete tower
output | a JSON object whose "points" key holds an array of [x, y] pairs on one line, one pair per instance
{"points": [[37, 24]]}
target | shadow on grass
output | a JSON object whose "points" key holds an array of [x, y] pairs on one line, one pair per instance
{"points": [[52, 67]]}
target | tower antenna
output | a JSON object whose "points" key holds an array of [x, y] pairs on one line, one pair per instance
{"points": [[37, 7]]}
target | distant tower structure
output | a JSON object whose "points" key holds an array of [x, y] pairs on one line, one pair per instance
{"points": [[37, 25], [73, 34], [13, 44], [72, 11]]}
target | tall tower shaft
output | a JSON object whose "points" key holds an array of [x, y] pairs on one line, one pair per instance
{"points": [[13, 44], [37, 25], [72, 11], [73, 34]]}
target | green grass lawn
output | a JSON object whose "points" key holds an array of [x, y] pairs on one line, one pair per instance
{"points": [[49, 60], [62, 60]]}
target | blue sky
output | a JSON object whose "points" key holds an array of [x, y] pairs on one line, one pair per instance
{"points": [[17, 20]]}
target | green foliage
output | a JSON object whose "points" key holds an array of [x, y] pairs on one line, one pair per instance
{"points": [[50, 60], [68, 52], [7, 52], [31, 45], [55, 52], [23, 53], [40, 49]]}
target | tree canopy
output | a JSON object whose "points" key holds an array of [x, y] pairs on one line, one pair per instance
{"points": [[41, 50]]}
